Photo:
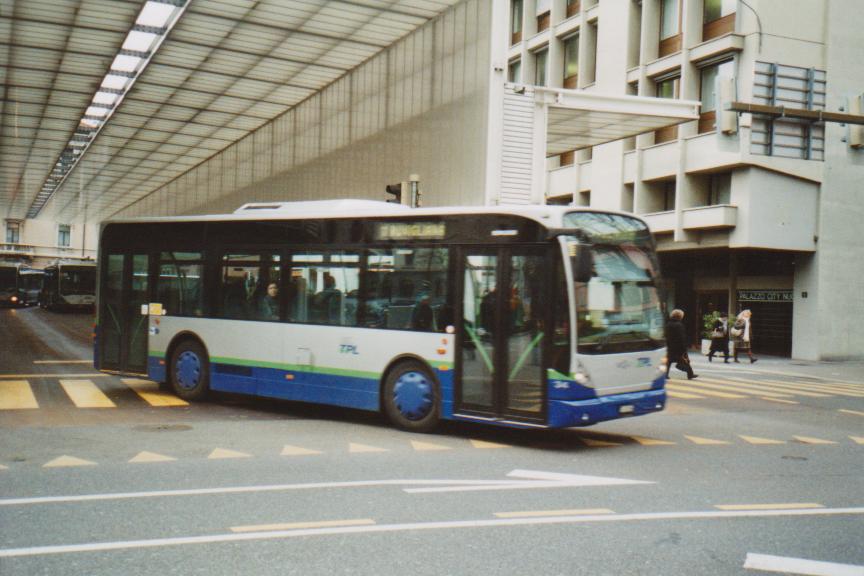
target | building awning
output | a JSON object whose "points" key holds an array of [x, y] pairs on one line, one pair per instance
{"points": [[578, 119]]}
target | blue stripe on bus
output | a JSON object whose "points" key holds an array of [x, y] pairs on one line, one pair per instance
{"points": [[564, 414]]}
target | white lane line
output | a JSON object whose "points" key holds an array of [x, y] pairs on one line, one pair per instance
{"points": [[768, 563], [300, 525], [412, 526]]}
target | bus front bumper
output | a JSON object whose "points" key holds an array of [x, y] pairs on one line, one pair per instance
{"points": [[570, 413]]}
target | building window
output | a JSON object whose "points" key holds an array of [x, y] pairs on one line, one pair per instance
{"points": [[584, 198], [573, 7], [718, 18], [719, 189], [64, 233], [13, 233], [571, 62], [544, 8], [667, 88], [708, 93], [515, 21], [540, 59], [514, 71], [670, 27], [669, 196]]}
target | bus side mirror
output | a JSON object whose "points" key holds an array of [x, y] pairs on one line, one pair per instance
{"points": [[583, 262]]}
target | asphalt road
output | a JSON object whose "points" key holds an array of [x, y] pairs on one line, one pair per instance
{"points": [[758, 465]]}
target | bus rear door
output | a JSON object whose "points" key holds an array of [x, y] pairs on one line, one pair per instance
{"points": [[123, 313]]}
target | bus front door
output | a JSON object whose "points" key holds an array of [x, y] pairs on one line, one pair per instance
{"points": [[123, 325], [500, 372]]}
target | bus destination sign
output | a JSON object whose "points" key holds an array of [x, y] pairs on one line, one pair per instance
{"points": [[410, 231]]}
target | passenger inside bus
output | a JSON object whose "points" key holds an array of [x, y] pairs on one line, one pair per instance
{"points": [[268, 303]]}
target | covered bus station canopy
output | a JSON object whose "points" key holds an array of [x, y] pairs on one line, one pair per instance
{"points": [[106, 101]]}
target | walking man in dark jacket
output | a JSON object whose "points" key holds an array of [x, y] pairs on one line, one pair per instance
{"points": [[676, 345]]}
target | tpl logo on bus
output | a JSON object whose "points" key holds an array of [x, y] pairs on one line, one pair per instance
{"points": [[348, 349]]}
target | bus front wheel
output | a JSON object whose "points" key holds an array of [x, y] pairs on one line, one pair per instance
{"points": [[190, 371], [411, 397]]}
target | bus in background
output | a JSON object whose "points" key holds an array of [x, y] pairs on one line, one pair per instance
{"points": [[19, 285], [529, 316], [69, 286]]}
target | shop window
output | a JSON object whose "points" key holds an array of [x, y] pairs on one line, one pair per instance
{"points": [[708, 93], [670, 27], [515, 21], [571, 62], [718, 18]]}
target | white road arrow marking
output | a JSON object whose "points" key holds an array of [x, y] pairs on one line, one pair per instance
{"points": [[533, 479], [770, 563]]}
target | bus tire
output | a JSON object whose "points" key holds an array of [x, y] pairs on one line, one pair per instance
{"points": [[411, 397], [189, 374]]}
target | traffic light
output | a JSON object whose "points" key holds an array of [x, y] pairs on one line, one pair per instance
{"points": [[396, 191]]}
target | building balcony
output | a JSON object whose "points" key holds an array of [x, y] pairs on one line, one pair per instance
{"points": [[710, 217], [15, 249], [660, 222]]}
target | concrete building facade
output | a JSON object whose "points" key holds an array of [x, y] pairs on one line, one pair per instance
{"points": [[508, 101]]}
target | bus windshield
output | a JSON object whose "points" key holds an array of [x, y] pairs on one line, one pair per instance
{"points": [[614, 282], [8, 281], [77, 281]]}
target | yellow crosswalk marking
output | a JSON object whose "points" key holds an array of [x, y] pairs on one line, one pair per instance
{"points": [[303, 525], [544, 513], [758, 440], [705, 441], [599, 443], [651, 441], [145, 457], [682, 395], [67, 461], [3, 467], [150, 393], [746, 388], [289, 450], [223, 453], [85, 394], [789, 506], [782, 387], [780, 400], [694, 389], [825, 390], [17, 395], [809, 440], [422, 446], [857, 439], [854, 412], [84, 375], [361, 448], [484, 445]]}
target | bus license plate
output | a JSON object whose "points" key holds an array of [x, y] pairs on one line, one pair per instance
{"points": [[626, 409]]}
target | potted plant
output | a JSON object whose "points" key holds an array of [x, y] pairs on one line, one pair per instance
{"points": [[708, 327]]}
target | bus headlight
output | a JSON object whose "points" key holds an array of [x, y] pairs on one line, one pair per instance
{"points": [[14, 299], [581, 375]]}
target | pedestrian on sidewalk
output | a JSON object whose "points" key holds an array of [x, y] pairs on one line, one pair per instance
{"points": [[720, 338], [742, 332], [676, 345]]}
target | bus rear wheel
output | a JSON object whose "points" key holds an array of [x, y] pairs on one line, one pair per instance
{"points": [[411, 397], [190, 371]]}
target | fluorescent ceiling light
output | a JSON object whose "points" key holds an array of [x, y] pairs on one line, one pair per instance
{"points": [[155, 14], [126, 63], [105, 98], [139, 41], [90, 123], [115, 82]]}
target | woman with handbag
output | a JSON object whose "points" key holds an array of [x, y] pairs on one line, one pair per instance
{"points": [[720, 338], [742, 333]]}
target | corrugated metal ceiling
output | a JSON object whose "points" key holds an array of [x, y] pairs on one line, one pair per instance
{"points": [[226, 68]]}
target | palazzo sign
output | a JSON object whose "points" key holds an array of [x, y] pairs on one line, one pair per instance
{"points": [[765, 295]]}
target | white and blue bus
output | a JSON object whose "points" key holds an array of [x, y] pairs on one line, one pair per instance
{"points": [[529, 316], [69, 286]]}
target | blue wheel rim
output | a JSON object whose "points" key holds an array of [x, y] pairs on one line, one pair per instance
{"points": [[188, 370], [412, 395]]}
